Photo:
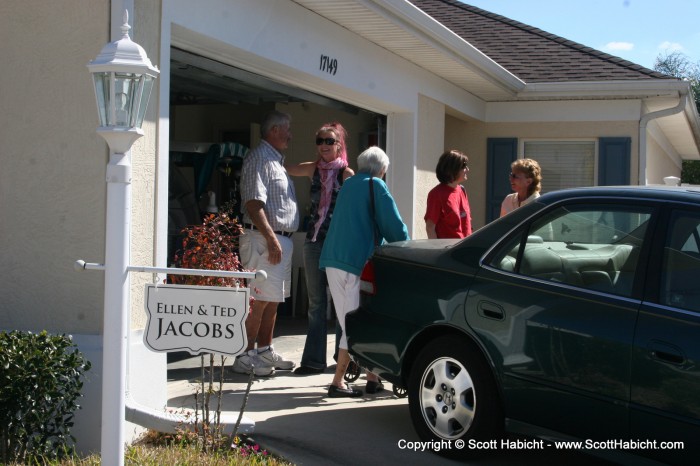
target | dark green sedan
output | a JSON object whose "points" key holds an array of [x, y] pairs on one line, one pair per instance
{"points": [[574, 318]]}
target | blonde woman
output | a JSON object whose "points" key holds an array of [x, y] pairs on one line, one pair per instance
{"points": [[525, 181]]}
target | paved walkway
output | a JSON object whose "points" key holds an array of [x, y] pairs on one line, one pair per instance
{"points": [[294, 418]]}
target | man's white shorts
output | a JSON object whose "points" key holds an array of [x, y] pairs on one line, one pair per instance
{"points": [[253, 256]]}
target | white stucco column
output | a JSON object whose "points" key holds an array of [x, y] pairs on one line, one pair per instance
{"points": [[414, 144], [401, 149], [430, 141]]}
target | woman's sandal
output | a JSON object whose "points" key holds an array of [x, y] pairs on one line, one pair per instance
{"points": [[374, 387]]}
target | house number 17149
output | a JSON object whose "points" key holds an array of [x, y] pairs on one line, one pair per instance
{"points": [[328, 64]]}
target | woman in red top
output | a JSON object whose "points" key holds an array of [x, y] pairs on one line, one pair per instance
{"points": [[448, 214]]}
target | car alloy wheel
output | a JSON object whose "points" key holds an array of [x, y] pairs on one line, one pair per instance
{"points": [[452, 394], [447, 398]]}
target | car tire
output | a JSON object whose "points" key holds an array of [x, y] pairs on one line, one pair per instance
{"points": [[452, 396]]}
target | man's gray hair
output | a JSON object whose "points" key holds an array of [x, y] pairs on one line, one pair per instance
{"points": [[274, 118], [373, 161]]}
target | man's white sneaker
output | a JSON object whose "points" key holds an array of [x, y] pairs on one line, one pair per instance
{"points": [[270, 358], [249, 361]]}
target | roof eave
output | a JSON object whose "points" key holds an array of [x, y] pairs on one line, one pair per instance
{"points": [[420, 24], [626, 89], [612, 89]]}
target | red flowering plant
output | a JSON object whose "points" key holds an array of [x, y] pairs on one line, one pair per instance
{"points": [[213, 245]]}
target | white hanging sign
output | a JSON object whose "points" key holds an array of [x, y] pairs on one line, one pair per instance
{"points": [[198, 319]]}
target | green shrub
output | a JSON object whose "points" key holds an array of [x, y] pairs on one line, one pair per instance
{"points": [[691, 172], [40, 381]]}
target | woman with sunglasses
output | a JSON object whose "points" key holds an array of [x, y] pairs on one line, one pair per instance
{"points": [[327, 174], [525, 181]]}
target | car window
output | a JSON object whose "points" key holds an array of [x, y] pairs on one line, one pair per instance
{"points": [[681, 262], [593, 247]]}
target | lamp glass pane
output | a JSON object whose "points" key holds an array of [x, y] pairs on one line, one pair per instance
{"points": [[125, 85], [124, 106], [147, 83], [101, 81]]}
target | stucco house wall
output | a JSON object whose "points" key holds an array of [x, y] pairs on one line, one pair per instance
{"points": [[52, 185], [52, 190], [660, 164], [468, 136], [53, 178], [431, 144], [472, 136]]}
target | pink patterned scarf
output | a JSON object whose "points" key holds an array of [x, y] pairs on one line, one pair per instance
{"points": [[329, 181]]}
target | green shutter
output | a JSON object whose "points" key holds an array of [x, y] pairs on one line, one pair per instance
{"points": [[614, 161], [500, 153]]}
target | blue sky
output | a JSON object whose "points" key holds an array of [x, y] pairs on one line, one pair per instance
{"points": [[636, 30]]}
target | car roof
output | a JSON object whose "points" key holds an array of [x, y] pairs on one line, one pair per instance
{"points": [[656, 192]]}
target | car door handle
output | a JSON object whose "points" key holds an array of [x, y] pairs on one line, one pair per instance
{"points": [[666, 352], [491, 310]]}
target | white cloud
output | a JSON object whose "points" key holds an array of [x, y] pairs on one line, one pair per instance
{"points": [[670, 47], [618, 46]]}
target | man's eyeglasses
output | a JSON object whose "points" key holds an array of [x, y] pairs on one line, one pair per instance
{"points": [[516, 177], [326, 141]]}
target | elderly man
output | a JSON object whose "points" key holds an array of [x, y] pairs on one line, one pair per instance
{"points": [[270, 216]]}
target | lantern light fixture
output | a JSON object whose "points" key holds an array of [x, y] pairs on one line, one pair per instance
{"points": [[123, 77]]}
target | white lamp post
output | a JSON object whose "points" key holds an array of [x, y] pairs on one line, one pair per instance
{"points": [[123, 77]]}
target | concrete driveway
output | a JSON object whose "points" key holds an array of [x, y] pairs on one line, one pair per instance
{"points": [[296, 420]]}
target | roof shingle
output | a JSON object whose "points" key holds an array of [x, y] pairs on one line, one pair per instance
{"points": [[531, 54]]}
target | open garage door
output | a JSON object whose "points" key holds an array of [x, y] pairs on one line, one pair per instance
{"points": [[215, 111]]}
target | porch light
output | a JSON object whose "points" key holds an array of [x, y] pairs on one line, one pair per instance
{"points": [[123, 77]]}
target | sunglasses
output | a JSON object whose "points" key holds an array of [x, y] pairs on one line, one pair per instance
{"points": [[326, 141], [514, 176]]}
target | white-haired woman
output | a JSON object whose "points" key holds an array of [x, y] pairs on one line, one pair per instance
{"points": [[350, 242]]}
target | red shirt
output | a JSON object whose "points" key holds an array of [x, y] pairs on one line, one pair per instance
{"points": [[448, 209]]}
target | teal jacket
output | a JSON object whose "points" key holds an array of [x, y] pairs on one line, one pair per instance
{"points": [[350, 239]]}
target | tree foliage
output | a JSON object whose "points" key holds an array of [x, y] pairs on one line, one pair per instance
{"points": [[691, 172], [679, 65]]}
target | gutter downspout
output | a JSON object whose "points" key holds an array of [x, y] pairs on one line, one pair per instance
{"points": [[644, 121]]}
